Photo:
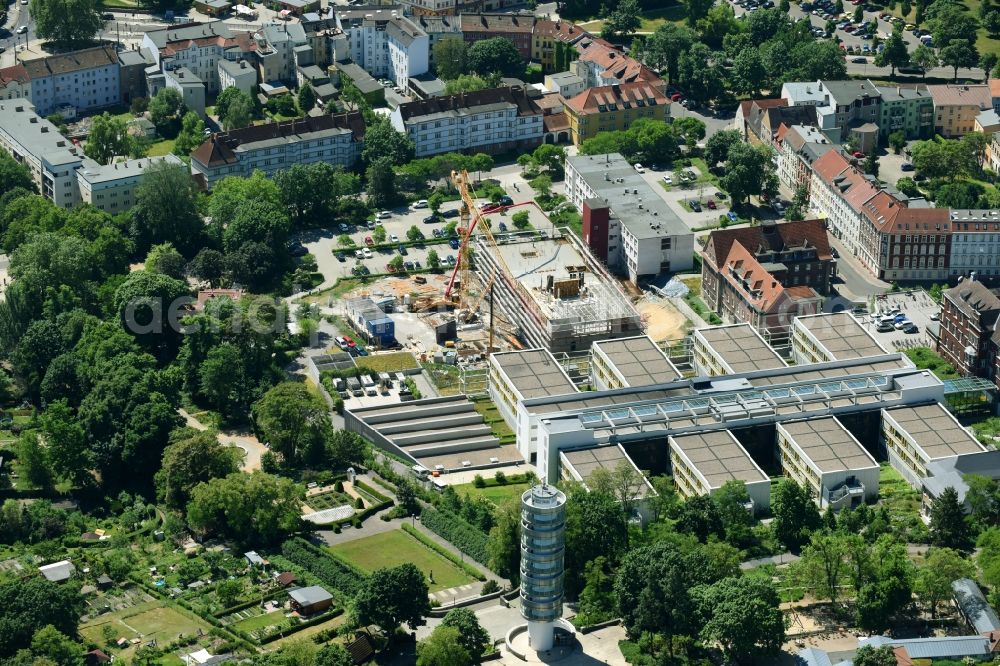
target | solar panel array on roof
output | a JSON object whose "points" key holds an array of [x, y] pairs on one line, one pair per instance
{"points": [[719, 457], [639, 361], [842, 335], [828, 444], [742, 348], [587, 461], [535, 373], [935, 430]]}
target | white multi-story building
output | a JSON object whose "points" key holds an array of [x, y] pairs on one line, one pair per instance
{"points": [[837, 191], [36, 143], [198, 47], [112, 187], [240, 75], [272, 147], [488, 121], [975, 242], [798, 147], [386, 44], [626, 223], [80, 80]]}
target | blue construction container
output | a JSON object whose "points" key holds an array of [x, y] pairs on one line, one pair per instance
{"points": [[381, 331]]}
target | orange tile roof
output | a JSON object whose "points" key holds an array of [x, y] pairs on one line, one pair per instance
{"points": [[890, 215], [994, 87], [592, 99], [615, 63], [950, 94], [762, 291], [830, 165], [810, 233]]}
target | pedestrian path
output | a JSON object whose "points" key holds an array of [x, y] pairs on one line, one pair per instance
{"points": [[456, 594]]}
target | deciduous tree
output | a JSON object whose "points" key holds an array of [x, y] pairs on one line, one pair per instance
{"points": [[69, 23], [253, 508], [391, 597]]}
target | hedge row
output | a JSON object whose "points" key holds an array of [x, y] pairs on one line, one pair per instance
{"points": [[284, 633], [333, 572], [443, 552], [371, 491], [453, 529]]}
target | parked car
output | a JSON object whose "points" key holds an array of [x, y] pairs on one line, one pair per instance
{"points": [[711, 204], [732, 216], [298, 250], [369, 241], [402, 250], [408, 265], [343, 228], [860, 60], [450, 260], [906, 166], [668, 180], [640, 168], [900, 325], [884, 327], [453, 243], [420, 204], [695, 206], [367, 253], [910, 328], [384, 215], [437, 233], [431, 219], [676, 97], [342, 342], [393, 238], [448, 214], [341, 257], [506, 201], [858, 154], [503, 226], [389, 268]]}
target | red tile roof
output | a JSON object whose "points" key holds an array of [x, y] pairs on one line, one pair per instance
{"points": [[890, 215], [810, 233], [830, 165], [561, 31], [16, 73], [615, 63], [592, 99], [757, 286]]}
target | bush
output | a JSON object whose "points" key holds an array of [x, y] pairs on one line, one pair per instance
{"points": [[330, 570], [339, 486], [501, 478], [359, 503], [453, 529], [478, 481], [490, 586], [520, 219]]}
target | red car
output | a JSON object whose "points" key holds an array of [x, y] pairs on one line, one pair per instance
{"points": [[350, 342], [858, 154], [676, 97], [711, 204], [369, 241], [389, 268]]}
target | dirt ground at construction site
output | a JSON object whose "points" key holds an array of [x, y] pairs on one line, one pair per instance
{"points": [[662, 320]]}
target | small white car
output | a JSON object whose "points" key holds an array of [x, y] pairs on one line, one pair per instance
{"points": [[668, 180], [420, 204], [394, 238], [640, 168], [384, 215], [23, 29], [367, 253]]}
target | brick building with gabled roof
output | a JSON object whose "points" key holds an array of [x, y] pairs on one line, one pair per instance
{"points": [[614, 107], [767, 275]]}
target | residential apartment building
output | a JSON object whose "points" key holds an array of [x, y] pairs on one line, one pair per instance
{"points": [[956, 107], [763, 123], [112, 187], [37, 144], [199, 47], [626, 225], [335, 138], [767, 275], [438, 28], [15, 83], [518, 28], [845, 110], [78, 81], [492, 121], [744, 113], [895, 238], [907, 110], [975, 243], [190, 86], [797, 147], [968, 336], [566, 84], [237, 74], [386, 44], [600, 63], [552, 44], [614, 107]]}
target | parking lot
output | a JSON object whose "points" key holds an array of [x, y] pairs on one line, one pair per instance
{"points": [[918, 307], [678, 190]]}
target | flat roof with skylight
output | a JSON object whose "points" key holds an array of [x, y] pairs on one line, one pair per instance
{"points": [[741, 348], [829, 445], [718, 457], [935, 430], [841, 335], [638, 360], [534, 373]]}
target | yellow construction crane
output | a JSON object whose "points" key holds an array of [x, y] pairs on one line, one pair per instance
{"points": [[472, 217]]}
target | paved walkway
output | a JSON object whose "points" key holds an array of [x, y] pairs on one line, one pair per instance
{"points": [[242, 439]]}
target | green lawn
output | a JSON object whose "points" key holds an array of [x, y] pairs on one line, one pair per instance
{"points": [[495, 494], [896, 494], [391, 549], [147, 620], [650, 20], [926, 359], [393, 362], [984, 42], [162, 147], [262, 621]]}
